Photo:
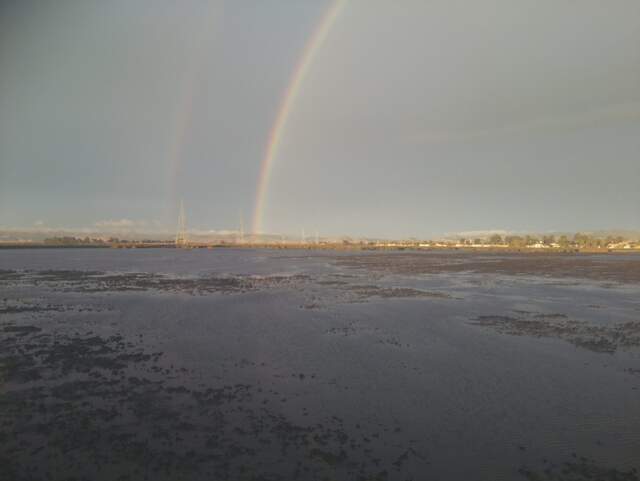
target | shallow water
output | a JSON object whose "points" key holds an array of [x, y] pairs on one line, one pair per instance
{"points": [[258, 364]]}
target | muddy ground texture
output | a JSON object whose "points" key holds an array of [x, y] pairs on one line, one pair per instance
{"points": [[75, 404], [607, 270], [607, 339], [622, 268], [78, 405], [88, 407]]}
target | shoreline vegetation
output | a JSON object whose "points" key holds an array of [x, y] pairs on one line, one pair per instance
{"points": [[494, 249], [578, 243]]}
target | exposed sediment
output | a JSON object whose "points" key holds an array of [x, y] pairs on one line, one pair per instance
{"points": [[598, 338], [623, 268]]}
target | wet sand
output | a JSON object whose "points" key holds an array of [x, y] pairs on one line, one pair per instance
{"points": [[259, 365]]}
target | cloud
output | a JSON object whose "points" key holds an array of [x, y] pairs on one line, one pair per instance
{"points": [[121, 223], [479, 233]]}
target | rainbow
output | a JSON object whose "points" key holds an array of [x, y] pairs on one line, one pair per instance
{"points": [[276, 133], [185, 104]]}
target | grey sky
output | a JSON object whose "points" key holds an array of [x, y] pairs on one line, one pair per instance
{"points": [[415, 118]]}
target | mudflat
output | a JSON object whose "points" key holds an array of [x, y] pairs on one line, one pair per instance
{"points": [[599, 267], [267, 365]]}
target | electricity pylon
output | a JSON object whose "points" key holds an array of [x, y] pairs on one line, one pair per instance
{"points": [[181, 234]]}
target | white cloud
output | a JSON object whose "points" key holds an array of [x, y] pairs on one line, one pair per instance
{"points": [[121, 223], [480, 233]]}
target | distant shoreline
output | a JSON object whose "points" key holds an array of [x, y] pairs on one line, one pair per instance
{"points": [[327, 247]]}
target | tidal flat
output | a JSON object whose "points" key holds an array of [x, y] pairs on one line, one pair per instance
{"points": [[227, 364]]}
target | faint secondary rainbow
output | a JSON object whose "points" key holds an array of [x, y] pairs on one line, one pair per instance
{"points": [[288, 100], [184, 110]]}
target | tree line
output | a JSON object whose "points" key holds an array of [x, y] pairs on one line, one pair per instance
{"points": [[578, 240]]}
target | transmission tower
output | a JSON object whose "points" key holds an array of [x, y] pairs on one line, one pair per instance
{"points": [[181, 234]]}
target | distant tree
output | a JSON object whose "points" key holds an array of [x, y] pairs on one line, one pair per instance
{"points": [[477, 241], [613, 240], [580, 240], [530, 240], [548, 240], [495, 239], [515, 241], [564, 241]]}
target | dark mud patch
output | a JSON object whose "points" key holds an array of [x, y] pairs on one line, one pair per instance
{"points": [[597, 338], [363, 292], [9, 275], [17, 309], [21, 329], [65, 275], [26, 306], [333, 283], [353, 328], [96, 282], [578, 469], [334, 291], [375, 335]]}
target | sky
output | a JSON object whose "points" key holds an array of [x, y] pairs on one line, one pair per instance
{"points": [[410, 118]]}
